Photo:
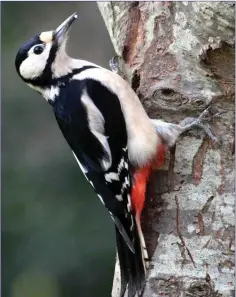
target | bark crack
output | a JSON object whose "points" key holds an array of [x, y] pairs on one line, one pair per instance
{"points": [[198, 161], [179, 232], [132, 38]]}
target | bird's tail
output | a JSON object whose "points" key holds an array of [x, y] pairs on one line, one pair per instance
{"points": [[132, 265]]}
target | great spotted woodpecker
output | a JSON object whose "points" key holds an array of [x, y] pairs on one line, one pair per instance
{"points": [[113, 140]]}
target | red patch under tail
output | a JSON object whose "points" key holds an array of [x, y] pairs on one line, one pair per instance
{"points": [[140, 179], [138, 195], [139, 189]]}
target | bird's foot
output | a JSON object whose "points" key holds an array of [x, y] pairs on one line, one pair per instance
{"points": [[201, 122], [114, 64], [170, 132]]}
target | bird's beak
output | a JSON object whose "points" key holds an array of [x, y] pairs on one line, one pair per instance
{"points": [[61, 32]]}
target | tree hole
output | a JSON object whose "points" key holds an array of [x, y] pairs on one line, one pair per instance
{"points": [[167, 92]]}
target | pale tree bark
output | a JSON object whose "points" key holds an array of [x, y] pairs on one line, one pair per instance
{"points": [[179, 58]]}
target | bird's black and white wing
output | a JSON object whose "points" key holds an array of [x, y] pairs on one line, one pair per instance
{"points": [[91, 120], [96, 132]]}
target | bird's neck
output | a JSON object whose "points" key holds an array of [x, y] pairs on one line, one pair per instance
{"points": [[62, 72]]}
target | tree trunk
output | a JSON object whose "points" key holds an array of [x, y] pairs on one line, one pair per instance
{"points": [[179, 58]]}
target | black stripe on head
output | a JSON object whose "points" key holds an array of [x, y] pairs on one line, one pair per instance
{"points": [[46, 77], [23, 51]]}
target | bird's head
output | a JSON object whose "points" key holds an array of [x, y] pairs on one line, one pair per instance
{"points": [[43, 58]]}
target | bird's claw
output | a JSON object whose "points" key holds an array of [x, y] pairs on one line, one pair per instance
{"points": [[200, 122], [114, 64], [208, 115]]}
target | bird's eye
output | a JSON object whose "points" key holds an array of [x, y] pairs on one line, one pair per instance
{"points": [[38, 49]]}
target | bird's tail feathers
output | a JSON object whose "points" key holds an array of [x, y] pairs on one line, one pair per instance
{"points": [[132, 265]]}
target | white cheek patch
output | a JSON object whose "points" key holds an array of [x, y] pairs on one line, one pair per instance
{"points": [[34, 65]]}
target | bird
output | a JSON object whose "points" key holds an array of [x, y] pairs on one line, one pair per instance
{"points": [[113, 140]]}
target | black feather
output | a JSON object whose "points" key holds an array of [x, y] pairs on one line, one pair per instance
{"points": [[131, 265]]}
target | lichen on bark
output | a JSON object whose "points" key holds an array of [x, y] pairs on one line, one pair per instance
{"points": [[180, 58]]}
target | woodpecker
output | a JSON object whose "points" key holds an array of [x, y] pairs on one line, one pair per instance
{"points": [[112, 138]]}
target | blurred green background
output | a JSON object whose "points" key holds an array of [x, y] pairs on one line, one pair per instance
{"points": [[57, 239]]}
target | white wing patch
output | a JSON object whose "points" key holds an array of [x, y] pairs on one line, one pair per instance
{"points": [[115, 176], [109, 177], [119, 197], [96, 126], [125, 184], [120, 166]]}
